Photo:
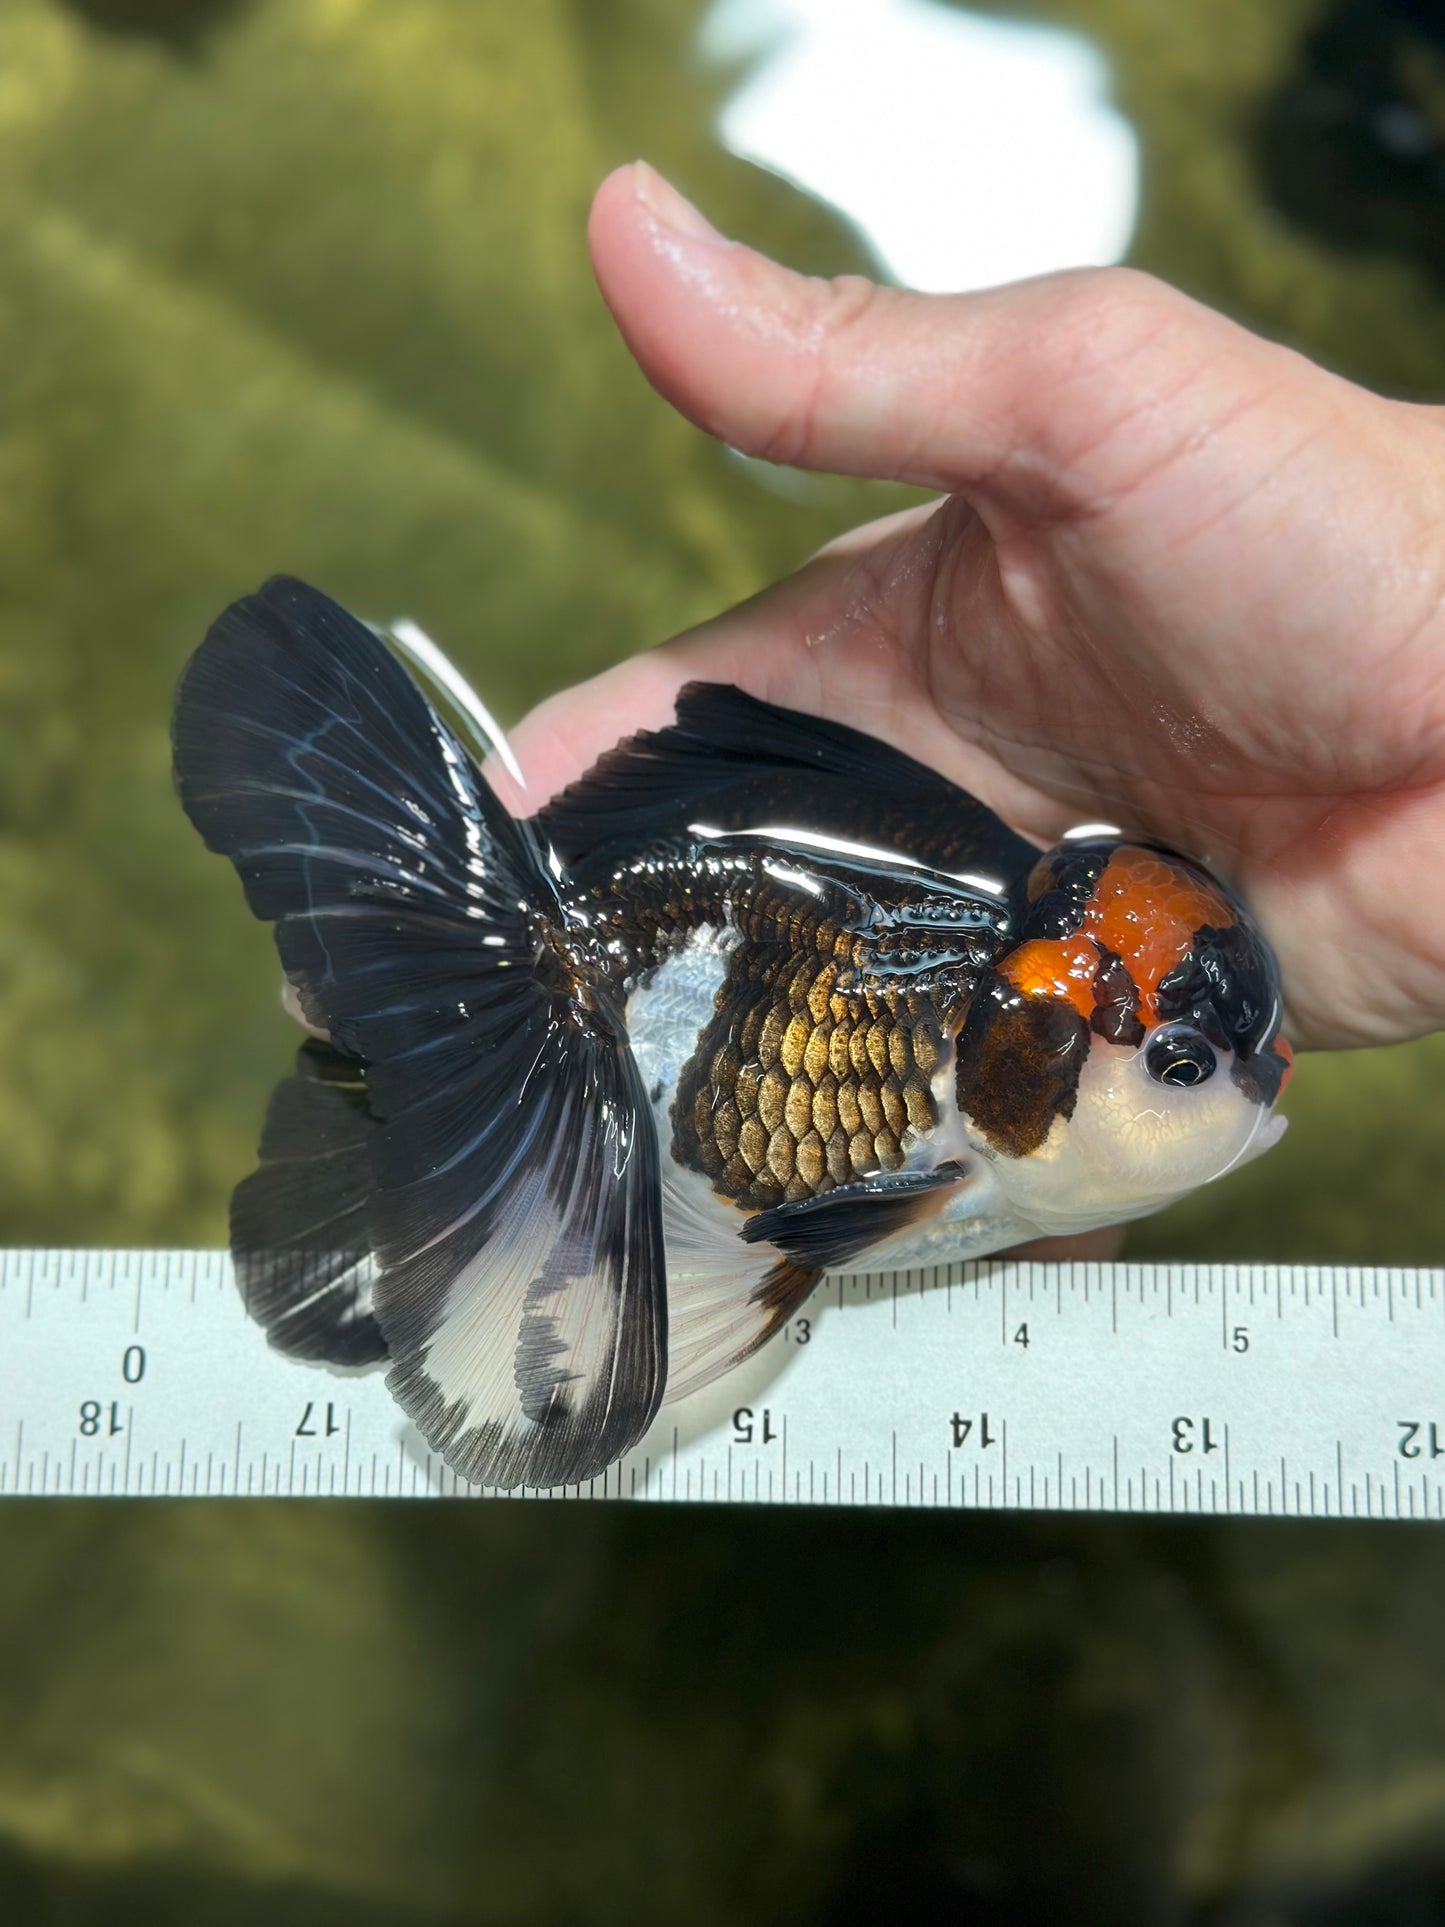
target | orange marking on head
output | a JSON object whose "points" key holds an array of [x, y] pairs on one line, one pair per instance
{"points": [[1063, 967], [1280, 1046], [1147, 909]]}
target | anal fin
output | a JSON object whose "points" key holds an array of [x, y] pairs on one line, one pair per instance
{"points": [[781, 1294], [734, 1286], [300, 1239]]}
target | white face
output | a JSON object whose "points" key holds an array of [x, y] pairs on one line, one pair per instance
{"points": [[1134, 1144]]}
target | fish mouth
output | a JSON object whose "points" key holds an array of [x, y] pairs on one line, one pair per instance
{"points": [[1269, 1127]]}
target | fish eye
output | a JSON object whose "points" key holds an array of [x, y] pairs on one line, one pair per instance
{"points": [[1180, 1055]]}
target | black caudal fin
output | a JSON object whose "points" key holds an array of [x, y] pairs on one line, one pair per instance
{"points": [[741, 763], [299, 1232], [513, 1211]]}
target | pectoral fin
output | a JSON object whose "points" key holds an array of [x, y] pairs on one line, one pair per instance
{"points": [[827, 1233]]}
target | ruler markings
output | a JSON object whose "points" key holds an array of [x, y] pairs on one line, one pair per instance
{"points": [[138, 1373]]}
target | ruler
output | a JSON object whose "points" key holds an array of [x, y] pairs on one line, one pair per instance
{"points": [[1294, 1391]]}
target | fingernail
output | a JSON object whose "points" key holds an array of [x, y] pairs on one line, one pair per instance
{"points": [[662, 199]]}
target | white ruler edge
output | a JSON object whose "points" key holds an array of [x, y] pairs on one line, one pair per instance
{"points": [[1309, 1392]]}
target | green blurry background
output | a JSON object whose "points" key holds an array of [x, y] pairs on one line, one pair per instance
{"points": [[301, 284]]}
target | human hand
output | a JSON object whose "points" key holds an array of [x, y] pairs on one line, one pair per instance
{"points": [[1183, 580]]}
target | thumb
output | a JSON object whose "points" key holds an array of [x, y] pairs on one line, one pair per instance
{"points": [[1008, 396]]}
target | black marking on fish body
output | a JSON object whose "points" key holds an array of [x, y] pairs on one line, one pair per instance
{"points": [[1018, 1066], [1228, 986], [909, 921], [1115, 1016], [1059, 888]]}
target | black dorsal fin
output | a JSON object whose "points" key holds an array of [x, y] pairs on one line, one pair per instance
{"points": [[739, 762]]}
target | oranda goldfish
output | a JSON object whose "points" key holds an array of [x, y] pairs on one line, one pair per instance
{"points": [[595, 1098]]}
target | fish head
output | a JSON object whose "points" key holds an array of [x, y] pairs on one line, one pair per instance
{"points": [[1127, 1047]]}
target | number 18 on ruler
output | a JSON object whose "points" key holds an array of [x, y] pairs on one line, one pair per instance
{"points": [[1301, 1391]]}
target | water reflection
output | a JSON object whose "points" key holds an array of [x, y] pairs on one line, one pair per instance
{"points": [[969, 151]]}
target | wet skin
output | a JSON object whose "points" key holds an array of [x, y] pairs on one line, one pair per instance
{"points": [[1182, 580]]}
